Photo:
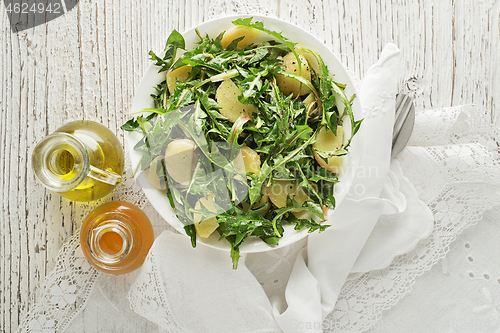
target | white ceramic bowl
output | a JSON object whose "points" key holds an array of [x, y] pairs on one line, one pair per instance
{"points": [[143, 100]]}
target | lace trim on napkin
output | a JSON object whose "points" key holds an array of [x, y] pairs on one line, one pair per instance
{"points": [[148, 299], [467, 161], [63, 292]]}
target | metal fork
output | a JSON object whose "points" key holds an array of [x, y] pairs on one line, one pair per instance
{"points": [[403, 123]]}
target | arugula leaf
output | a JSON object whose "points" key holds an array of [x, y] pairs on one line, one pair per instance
{"points": [[232, 46], [191, 232], [130, 126], [310, 224], [176, 39], [308, 206]]}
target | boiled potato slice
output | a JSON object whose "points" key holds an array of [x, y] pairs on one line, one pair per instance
{"points": [[251, 160], [311, 59], [309, 99], [289, 85], [281, 189], [247, 161], [181, 74], [238, 31], [329, 142], [206, 227], [180, 160], [227, 97], [153, 178]]}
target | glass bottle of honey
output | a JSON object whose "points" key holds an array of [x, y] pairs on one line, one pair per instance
{"points": [[116, 237], [82, 160]]}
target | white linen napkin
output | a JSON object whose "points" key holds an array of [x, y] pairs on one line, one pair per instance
{"points": [[396, 234], [185, 289]]}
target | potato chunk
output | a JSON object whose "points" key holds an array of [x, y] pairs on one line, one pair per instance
{"points": [[181, 74], [180, 160], [238, 31], [227, 97], [251, 160], [153, 177], [206, 227], [281, 189], [309, 100], [247, 160], [329, 142], [289, 85]]}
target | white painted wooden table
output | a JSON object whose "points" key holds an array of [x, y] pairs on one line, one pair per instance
{"points": [[88, 63]]}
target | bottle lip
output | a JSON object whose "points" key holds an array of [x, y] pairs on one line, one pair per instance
{"points": [[43, 160], [110, 222], [95, 238]]}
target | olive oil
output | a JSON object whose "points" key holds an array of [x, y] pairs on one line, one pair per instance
{"points": [[82, 160], [62, 163]]}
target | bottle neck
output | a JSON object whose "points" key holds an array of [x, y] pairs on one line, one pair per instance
{"points": [[110, 240], [61, 162]]}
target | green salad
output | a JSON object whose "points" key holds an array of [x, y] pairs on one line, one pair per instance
{"points": [[245, 137]]}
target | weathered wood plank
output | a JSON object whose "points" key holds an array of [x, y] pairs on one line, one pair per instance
{"points": [[88, 63]]}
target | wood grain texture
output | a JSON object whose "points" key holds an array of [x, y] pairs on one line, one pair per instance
{"points": [[88, 63]]}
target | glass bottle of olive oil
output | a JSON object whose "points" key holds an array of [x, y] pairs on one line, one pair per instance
{"points": [[82, 160]]}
